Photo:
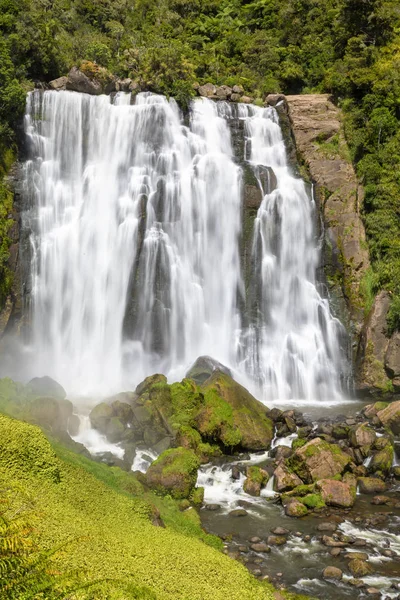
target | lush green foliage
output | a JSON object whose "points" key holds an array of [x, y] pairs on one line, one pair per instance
{"points": [[116, 542], [350, 48]]}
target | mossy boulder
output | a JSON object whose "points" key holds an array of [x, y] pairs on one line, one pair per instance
{"points": [[318, 460], [336, 493], [390, 417], [313, 501], [362, 435], [360, 568], [371, 485], [382, 461], [50, 413], [232, 416], [174, 472], [285, 479], [46, 386], [294, 508], [100, 416], [25, 448], [256, 478]]}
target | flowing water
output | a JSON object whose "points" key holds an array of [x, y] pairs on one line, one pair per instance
{"points": [[136, 223]]}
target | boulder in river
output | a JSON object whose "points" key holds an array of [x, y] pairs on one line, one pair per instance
{"points": [[390, 417], [336, 493], [360, 568], [174, 472], [285, 480], [371, 485], [255, 480], [332, 573], [318, 460], [382, 461], [362, 435], [294, 508]]}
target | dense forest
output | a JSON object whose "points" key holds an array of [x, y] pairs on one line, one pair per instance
{"points": [[349, 48]]}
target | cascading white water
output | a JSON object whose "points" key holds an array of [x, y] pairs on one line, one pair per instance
{"points": [[136, 230], [292, 345], [135, 248]]}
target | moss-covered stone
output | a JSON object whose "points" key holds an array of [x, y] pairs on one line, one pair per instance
{"points": [[100, 415], [233, 416], [318, 460], [174, 472], [256, 478], [313, 501], [382, 461]]}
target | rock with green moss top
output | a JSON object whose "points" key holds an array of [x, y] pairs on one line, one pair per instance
{"points": [[174, 472], [362, 435], [396, 471], [360, 568], [340, 432], [371, 410], [318, 460], [204, 367], [150, 382], [294, 508], [24, 447], [313, 501], [256, 478], [390, 417], [336, 493], [115, 429], [382, 461], [46, 386], [232, 416], [285, 479], [197, 496], [371, 485], [298, 443]]}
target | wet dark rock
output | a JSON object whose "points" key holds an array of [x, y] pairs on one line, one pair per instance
{"points": [[77, 81], [332, 573], [380, 500], [275, 414], [260, 547], [332, 543], [280, 531], [327, 526], [281, 452], [235, 473], [276, 540], [238, 512]]}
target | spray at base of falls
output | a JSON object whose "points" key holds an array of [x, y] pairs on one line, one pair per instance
{"points": [[136, 224]]}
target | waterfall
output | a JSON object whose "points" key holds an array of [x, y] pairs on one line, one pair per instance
{"points": [[135, 222]]}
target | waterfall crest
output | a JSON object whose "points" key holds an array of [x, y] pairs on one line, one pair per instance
{"points": [[135, 223]]}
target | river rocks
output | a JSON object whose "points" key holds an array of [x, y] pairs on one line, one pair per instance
{"points": [[252, 196], [380, 500], [359, 568], [294, 508], [371, 485], [327, 526], [318, 460], [260, 547], [203, 368], [49, 413], [276, 540], [238, 512], [382, 461], [223, 92], [46, 386], [332, 573], [390, 417], [284, 479], [100, 415], [256, 479], [174, 472], [336, 493], [362, 435], [332, 543]]}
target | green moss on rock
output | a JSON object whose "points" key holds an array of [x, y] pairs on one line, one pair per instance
{"points": [[174, 472]]}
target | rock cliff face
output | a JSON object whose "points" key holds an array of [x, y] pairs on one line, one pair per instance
{"points": [[320, 142]]}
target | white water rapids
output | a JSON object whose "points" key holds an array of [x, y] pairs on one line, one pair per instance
{"points": [[135, 223]]}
